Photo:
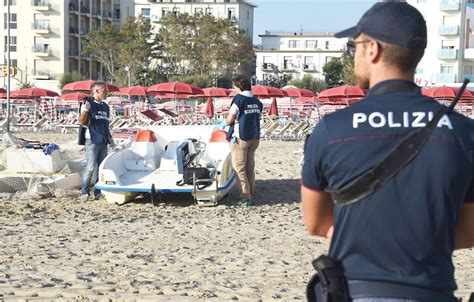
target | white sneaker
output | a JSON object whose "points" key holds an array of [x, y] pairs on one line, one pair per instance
{"points": [[84, 197]]}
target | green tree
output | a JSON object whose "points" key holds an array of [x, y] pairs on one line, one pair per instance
{"points": [[124, 51], [348, 76], [202, 44], [309, 82], [70, 77], [333, 71], [198, 80], [26, 85]]}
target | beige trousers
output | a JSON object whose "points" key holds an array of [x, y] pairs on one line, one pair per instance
{"points": [[243, 162]]}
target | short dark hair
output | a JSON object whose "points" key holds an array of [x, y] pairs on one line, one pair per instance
{"points": [[99, 83], [403, 58], [242, 82]]}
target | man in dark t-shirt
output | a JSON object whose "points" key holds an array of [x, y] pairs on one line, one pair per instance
{"points": [[397, 242]]}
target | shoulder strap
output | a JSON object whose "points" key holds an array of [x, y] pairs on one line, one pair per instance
{"points": [[394, 162]]}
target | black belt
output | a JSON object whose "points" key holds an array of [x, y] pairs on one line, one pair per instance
{"points": [[369, 289]]}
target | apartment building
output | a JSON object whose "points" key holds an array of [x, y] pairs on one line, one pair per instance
{"points": [[296, 53], [449, 56], [240, 12], [47, 37]]}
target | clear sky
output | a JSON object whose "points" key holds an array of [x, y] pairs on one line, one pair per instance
{"points": [[324, 15]]}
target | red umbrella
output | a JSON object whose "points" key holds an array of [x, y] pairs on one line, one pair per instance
{"points": [[447, 93], [273, 112], [74, 96], [176, 88], [216, 92], [3, 91], [340, 94], [133, 90], [267, 91], [305, 99], [87, 86], [209, 108], [298, 92], [33, 93]]}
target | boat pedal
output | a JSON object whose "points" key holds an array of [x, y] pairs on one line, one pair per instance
{"points": [[155, 196]]}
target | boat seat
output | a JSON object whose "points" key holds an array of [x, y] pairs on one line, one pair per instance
{"points": [[142, 156], [168, 156], [214, 154]]}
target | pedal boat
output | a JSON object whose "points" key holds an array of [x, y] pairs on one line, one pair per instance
{"points": [[156, 160]]}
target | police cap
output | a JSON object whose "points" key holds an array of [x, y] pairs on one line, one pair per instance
{"points": [[396, 23]]}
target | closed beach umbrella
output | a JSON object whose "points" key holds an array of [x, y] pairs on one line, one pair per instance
{"points": [[209, 108], [273, 112]]}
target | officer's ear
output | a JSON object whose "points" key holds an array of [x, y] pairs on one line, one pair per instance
{"points": [[374, 51]]}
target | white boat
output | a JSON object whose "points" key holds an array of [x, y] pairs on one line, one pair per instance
{"points": [[160, 156]]}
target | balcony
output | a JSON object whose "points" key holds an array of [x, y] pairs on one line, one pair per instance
{"points": [[44, 75], [287, 67], [447, 54], [41, 26], [267, 66], [74, 52], [448, 30], [445, 78], [450, 5], [41, 5], [469, 54], [73, 7], [73, 30], [42, 50], [310, 67]]}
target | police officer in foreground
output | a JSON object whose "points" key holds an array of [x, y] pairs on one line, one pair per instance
{"points": [[396, 243]]}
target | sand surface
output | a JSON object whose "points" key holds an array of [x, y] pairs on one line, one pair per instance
{"points": [[60, 249]]}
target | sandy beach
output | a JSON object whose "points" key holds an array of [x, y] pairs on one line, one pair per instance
{"points": [[61, 249]]}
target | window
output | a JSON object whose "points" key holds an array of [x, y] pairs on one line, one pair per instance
{"points": [[12, 2], [287, 62], [14, 62], [12, 21], [327, 44], [164, 11], [145, 12], [176, 11], [12, 43], [311, 44], [198, 10], [231, 14], [447, 68], [293, 43], [308, 60], [328, 58], [468, 69], [209, 10]]}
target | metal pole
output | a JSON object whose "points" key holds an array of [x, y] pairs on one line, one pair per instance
{"points": [[8, 66]]}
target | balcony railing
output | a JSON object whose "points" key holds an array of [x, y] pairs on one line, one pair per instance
{"points": [[310, 67], [446, 78], [447, 54], [73, 7], [73, 30], [41, 4], [42, 49], [287, 66], [267, 66], [448, 30], [41, 25], [450, 5]]}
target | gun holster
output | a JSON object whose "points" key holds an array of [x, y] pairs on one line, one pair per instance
{"points": [[329, 283]]}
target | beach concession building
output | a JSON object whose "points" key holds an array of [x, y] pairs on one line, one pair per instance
{"points": [[46, 37]]}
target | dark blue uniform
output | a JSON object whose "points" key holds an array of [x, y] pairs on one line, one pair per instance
{"points": [[404, 232]]}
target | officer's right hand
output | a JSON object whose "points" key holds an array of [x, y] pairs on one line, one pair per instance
{"points": [[86, 106]]}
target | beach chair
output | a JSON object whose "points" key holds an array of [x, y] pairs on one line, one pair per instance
{"points": [[267, 132], [39, 124]]}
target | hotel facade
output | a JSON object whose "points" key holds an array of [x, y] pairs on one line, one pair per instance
{"points": [[295, 54], [449, 56], [47, 37]]}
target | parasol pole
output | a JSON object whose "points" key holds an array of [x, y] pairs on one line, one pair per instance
{"points": [[8, 66]]}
